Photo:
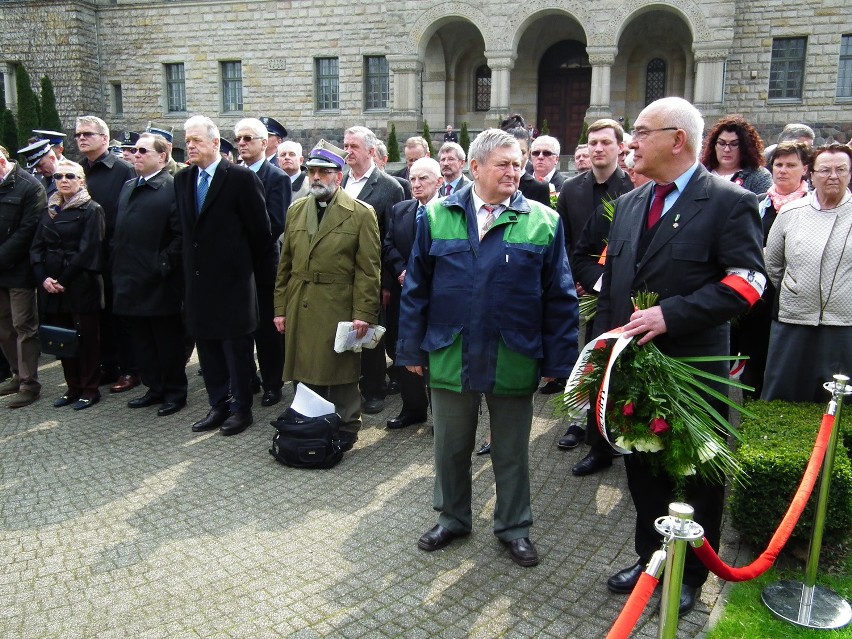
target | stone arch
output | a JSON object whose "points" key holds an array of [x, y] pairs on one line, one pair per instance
{"points": [[532, 11], [686, 10], [437, 16]]}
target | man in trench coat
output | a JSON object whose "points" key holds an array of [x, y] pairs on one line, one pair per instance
{"points": [[329, 272]]}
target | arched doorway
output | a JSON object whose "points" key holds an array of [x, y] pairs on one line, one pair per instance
{"points": [[564, 91]]}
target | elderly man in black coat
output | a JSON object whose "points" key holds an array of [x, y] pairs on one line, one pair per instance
{"points": [[22, 203], [146, 276], [226, 234]]}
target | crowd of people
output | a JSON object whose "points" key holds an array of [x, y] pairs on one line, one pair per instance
{"points": [[257, 249]]}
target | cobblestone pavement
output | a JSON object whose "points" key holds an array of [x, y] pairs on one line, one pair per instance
{"points": [[117, 523]]}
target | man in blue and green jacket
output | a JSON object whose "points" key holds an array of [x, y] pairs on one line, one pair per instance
{"points": [[488, 308]]}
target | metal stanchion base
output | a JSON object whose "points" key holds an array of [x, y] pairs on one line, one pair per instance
{"points": [[827, 611]]}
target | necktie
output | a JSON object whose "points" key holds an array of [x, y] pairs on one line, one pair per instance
{"points": [[141, 181], [656, 210], [203, 186], [420, 211], [489, 219], [448, 188]]}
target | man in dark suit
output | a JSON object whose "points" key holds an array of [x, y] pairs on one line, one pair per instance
{"points": [[426, 180], [367, 183], [545, 158], [452, 157], [250, 138], [578, 199], [703, 256], [450, 135], [415, 147], [226, 234], [147, 278]]}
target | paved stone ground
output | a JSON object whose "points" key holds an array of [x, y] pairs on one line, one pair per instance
{"points": [[117, 523]]}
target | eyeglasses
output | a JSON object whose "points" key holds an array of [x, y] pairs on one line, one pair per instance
{"points": [[320, 170], [86, 134], [67, 176], [639, 135], [141, 150], [246, 138], [839, 171], [733, 144], [546, 154]]}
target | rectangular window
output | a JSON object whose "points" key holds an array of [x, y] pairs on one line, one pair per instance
{"points": [[175, 87], [787, 70], [117, 100], [232, 86], [327, 84], [844, 69], [376, 82]]}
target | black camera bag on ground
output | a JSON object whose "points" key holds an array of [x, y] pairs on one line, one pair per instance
{"points": [[307, 442]]}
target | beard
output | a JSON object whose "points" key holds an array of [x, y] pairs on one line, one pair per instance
{"points": [[321, 191]]}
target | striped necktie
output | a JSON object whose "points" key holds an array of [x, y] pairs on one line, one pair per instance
{"points": [[201, 193]]}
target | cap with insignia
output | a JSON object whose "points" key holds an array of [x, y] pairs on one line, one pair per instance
{"points": [[54, 137], [225, 146], [129, 139], [35, 152], [166, 134], [114, 147], [274, 127], [327, 155]]}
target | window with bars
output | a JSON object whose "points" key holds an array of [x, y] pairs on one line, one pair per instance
{"points": [[655, 80], [787, 69], [844, 68], [327, 84], [482, 97], [175, 87], [376, 82], [232, 86]]}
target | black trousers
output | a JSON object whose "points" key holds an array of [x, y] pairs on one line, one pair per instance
{"points": [[118, 355], [228, 367], [82, 373], [159, 345], [269, 342]]}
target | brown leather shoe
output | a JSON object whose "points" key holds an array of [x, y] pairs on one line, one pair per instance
{"points": [[124, 383], [23, 398]]}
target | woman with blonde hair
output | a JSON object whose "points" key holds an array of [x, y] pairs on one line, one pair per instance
{"points": [[66, 256]]}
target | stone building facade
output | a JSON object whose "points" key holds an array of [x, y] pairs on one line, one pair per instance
{"points": [[320, 66]]}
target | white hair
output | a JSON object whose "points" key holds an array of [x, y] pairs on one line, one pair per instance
{"points": [[206, 123], [427, 164], [680, 113], [254, 125]]}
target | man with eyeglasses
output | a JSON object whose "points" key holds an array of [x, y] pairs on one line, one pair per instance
{"points": [[578, 199], [22, 203], [328, 273], [697, 242], [105, 177], [545, 159], [147, 276], [250, 139], [226, 234]]}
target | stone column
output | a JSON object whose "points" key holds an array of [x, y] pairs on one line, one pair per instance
{"points": [[601, 59], [501, 64], [709, 80], [406, 71]]}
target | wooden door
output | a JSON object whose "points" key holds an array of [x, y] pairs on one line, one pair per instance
{"points": [[564, 91]]}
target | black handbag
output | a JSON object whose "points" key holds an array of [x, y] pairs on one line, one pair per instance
{"points": [[59, 341], [307, 442]]}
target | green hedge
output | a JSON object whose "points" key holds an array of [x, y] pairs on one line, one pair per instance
{"points": [[774, 452]]}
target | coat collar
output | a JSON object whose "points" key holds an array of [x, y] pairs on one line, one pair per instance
{"points": [[463, 198], [339, 209]]}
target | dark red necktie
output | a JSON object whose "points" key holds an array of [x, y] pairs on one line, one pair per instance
{"points": [[656, 210], [448, 188]]}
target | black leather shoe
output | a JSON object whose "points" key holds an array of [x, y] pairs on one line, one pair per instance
{"points": [[624, 581], [373, 406], [591, 463], [65, 400], [572, 437], [403, 420], [148, 399], [215, 418], [485, 449], [436, 538], [236, 423], [522, 552], [271, 397], [688, 595], [347, 440], [85, 402], [552, 387], [169, 408]]}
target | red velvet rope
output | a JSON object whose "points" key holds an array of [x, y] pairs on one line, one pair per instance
{"points": [[760, 565], [632, 610]]}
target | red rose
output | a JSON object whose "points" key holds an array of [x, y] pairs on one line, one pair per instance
{"points": [[659, 426], [628, 410]]}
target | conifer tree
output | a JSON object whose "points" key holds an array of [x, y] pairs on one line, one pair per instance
{"points": [[49, 115], [393, 145], [28, 115]]}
